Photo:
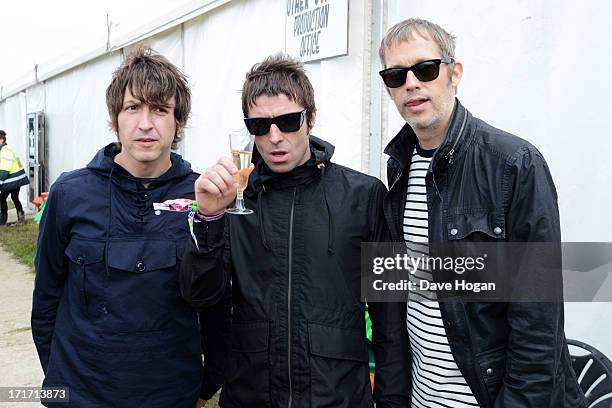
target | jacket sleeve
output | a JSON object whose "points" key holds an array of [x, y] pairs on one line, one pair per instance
{"points": [[536, 338], [205, 269], [215, 327], [205, 284], [51, 272], [389, 333]]}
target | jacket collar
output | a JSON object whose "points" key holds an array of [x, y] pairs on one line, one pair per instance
{"points": [[103, 162], [263, 177], [402, 145]]}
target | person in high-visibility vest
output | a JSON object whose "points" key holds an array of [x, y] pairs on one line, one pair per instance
{"points": [[12, 177]]}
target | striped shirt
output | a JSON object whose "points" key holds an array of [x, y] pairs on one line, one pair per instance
{"points": [[436, 379]]}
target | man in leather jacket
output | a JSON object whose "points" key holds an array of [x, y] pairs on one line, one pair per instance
{"points": [[298, 329], [455, 178]]}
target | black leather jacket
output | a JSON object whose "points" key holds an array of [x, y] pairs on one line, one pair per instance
{"points": [[485, 184]]}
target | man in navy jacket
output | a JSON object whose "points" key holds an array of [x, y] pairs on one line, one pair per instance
{"points": [[108, 319]]}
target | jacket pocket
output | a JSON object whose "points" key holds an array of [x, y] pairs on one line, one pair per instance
{"points": [[142, 289], [476, 225], [86, 270], [142, 256], [492, 366], [475, 243], [247, 382], [339, 370]]}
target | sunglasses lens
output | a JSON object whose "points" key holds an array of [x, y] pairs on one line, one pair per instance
{"points": [[426, 71], [290, 122], [258, 126], [394, 77]]}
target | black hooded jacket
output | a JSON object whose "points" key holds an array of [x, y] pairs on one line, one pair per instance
{"points": [[298, 329]]}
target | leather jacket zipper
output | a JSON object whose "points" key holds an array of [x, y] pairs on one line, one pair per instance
{"points": [[449, 155], [289, 298], [397, 177]]}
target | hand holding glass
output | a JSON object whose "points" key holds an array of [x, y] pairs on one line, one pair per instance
{"points": [[241, 144]]}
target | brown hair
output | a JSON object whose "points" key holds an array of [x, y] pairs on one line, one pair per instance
{"points": [[3, 135], [153, 80], [279, 74]]}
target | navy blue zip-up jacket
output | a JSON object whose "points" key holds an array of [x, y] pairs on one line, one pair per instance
{"points": [[108, 319]]}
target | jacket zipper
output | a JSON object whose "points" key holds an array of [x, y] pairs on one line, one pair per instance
{"points": [[449, 155], [289, 299], [397, 177]]}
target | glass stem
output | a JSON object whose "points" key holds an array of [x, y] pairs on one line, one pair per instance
{"points": [[239, 200]]}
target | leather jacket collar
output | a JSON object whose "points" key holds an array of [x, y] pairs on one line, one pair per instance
{"points": [[402, 145]]}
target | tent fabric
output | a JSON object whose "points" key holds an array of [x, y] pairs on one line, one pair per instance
{"points": [[76, 115]]}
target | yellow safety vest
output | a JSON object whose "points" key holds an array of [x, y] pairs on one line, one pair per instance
{"points": [[9, 160], [12, 174]]}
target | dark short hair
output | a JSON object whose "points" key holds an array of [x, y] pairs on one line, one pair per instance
{"points": [[2, 134], [153, 80], [279, 74]]}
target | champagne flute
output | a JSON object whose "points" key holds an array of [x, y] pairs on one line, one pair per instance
{"points": [[241, 144]]}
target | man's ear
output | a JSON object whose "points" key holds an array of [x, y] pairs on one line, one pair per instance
{"points": [[313, 119], [456, 74]]}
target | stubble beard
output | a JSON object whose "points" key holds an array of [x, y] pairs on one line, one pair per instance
{"points": [[436, 119]]}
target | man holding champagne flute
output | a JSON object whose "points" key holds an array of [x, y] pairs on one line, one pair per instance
{"points": [[298, 330]]}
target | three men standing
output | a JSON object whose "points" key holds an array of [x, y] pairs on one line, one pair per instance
{"points": [[106, 300]]}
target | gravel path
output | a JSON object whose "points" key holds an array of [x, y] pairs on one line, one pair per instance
{"points": [[19, 366]]}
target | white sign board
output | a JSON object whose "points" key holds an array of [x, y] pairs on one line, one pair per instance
{"points": [[316, 29]]}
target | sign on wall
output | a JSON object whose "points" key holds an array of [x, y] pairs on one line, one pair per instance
{"points": [[316, 29]]}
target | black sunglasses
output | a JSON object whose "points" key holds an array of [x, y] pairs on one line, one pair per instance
{"points": [[424, 71], [289, 122]]}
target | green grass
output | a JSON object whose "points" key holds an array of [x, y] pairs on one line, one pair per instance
{"points": [[20, 240]]}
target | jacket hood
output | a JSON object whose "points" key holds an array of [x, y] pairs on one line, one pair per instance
{"points": [[103, 163], [262, 176]]}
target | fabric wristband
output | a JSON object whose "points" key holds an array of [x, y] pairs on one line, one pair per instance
{"points": [[210, 217]]}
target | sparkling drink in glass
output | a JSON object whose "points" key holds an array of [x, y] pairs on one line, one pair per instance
{"points": [[241, 144]]}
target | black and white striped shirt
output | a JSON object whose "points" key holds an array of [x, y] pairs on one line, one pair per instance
{"points": [[436, 379]]}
